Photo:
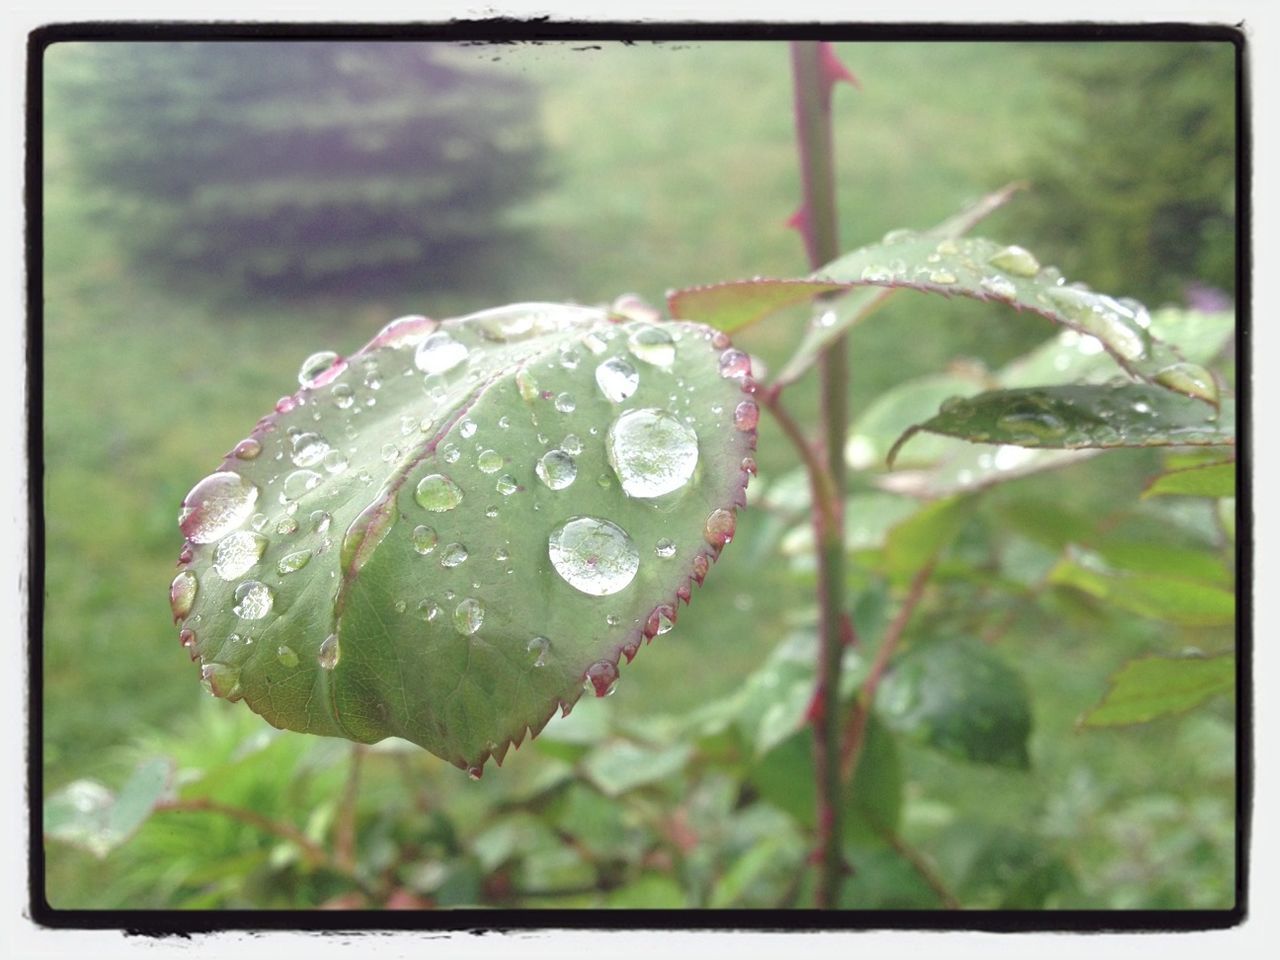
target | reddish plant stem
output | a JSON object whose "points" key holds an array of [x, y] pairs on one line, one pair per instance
{"points": [[817, 221], [855, 732], [344, 834], [924, 868]]}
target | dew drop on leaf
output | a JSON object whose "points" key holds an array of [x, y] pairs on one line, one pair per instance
{"points": [[453, 555], [320, 521], [439, 353], [238, 553], [467, 429], [617, 379], [293, 562], [556, 469], [1191, 379], [320, 368], [601, 678], [215, 506], [593, 555], [247, 449], [660, 621], [1015, 260], [942, 276], [182, 594], [571, 444], [720, 526], [468, 616], [999, 287], [424, 539], [489, 461], [329, 653], [222, 680], [665, 548], [286, 656], [437, 493], [253, 600], [343, 396], [746, 415], [651, 451], [734, 364], [537, 648], [298, 484], [506, 485], [428, 611], [565, 403], [653, 345]]}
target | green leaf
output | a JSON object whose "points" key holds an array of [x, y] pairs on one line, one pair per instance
{"points": [[1213, 480], [649, 891], [1081, 416], [1171, 599], [443, 536], [960, 698], [88, 815], [744, 871], [976, 268], [619, 766], [1152, 687], [884, 420], [918, 539]]}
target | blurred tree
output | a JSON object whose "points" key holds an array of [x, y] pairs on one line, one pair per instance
{"points": [[1134, 182], [289, 166]]}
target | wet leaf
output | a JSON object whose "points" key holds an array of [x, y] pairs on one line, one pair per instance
{"points": [[88, 815], [960, 698], [1211, 480], [443, 536], [1081, 417], [1152, 687]]}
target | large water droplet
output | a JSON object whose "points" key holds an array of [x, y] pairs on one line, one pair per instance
{"points": [[506, 485], [746, 415], [308, 449], [593, 555], [182, 594], [653, 345], [329, 653], [320, 368], [298, 484], [556, 469], [734, 364], [429, 611], [293, 562], [215, 506], [247, 449], [437, 493], [1001, 287], [601, 677], [453, 555], [665, 548], [366, 531], [253, 600], [489, 461], [720, 526], [424, 539], [439, 353], [222, 680], [1015, 260], [652, 452], [468, 616], [617, 379], [565, 403], [537, 648], [660, 621], [238, 553]]}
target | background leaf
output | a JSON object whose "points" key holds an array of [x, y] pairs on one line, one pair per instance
{"points": [[1152, 687], [1212, 480], [88, 815]]}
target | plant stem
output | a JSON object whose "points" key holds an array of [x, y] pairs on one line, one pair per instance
{"points": [[855, 733], [924, 868], [312, 852], [818, 223], [344, 834]]}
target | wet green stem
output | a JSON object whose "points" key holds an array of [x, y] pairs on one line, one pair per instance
{"points": [[817, 222]]}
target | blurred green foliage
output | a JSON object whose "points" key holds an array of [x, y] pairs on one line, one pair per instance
{"points": [[1134, 186], [297, 167], [687, 787]]}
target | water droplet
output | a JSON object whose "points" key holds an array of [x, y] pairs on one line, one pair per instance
{"points": [[898, 236], [593, 555], [613, 620], [506, 485], [1031, 418], [467, 429], [343, 396], [601, 677], [453, 555], [537, 648], [1191, 379], [253, 600], [746, 415], [320, 368], [876, 273], [439, 353], [653, 345], [299, 483], [665, 548], [329, 653], [749, 465], [215, 506], [293, 562], [1015, 260], [320, 521], [565, 403], [504, 423], [617, 379], [489, 461], [492, 512], [468, 616], [222, 680], [389, 452], [556, 469], [660, 621], [1000, 287], [182, 594], [238, 553], [942, 276], [734, 364], [720, 526], [308, 449], [367, 530], [429, 611], [571, 445], [475, 772], [424, 539], [652, 452], [335, 461], [437, 493], [450, 453], [247, 449]]}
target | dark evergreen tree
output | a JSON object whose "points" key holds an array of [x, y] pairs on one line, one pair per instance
{"points": [[293, 166]]}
